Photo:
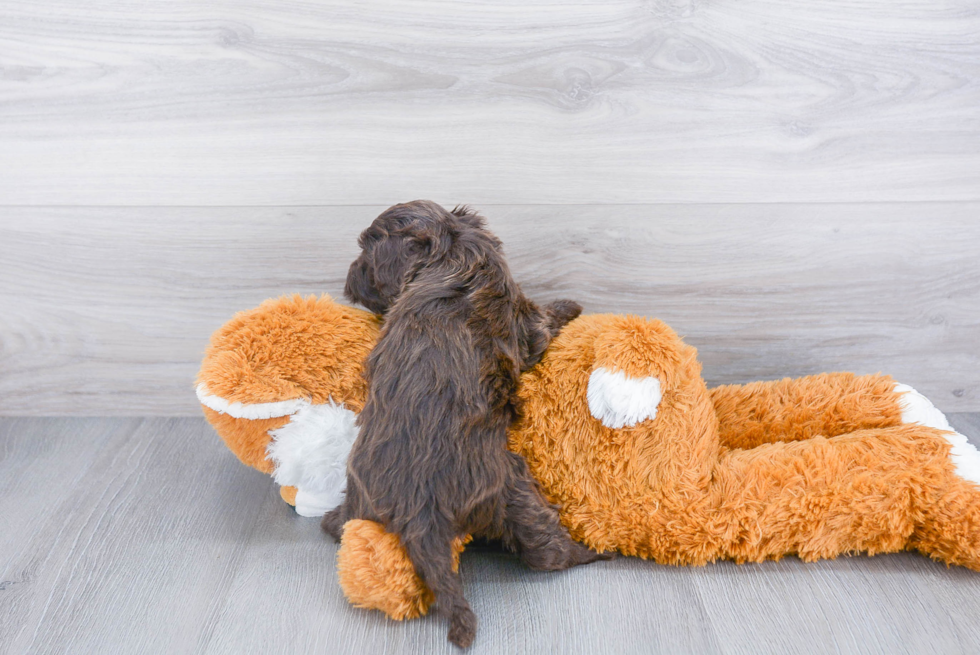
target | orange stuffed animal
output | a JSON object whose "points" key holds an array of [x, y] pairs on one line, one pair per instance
{"points": [[622, 434]]}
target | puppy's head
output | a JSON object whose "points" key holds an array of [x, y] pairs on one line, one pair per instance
{"points": [[400, 242]]}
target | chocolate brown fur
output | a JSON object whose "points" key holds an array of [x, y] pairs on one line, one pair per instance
{"points": [[431, 462]]}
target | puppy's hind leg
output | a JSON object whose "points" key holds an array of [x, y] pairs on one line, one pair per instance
{"points": [[429, 546], [333, 522], [532, 528], [353, 506]]}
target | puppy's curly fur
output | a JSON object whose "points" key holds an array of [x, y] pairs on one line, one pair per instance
{"points": [[431, 462]]}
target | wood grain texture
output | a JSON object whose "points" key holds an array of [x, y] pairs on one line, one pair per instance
{"points": [[261, 102], [107, 311], [147, 536]]}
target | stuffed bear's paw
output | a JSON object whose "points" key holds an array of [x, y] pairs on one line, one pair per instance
{"points": [[462, 627]]}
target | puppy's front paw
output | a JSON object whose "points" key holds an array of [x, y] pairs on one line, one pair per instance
{"points": [[462, 627], [586, 555]]}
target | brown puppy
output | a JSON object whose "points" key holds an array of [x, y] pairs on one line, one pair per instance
{"points": [[431, 462]]}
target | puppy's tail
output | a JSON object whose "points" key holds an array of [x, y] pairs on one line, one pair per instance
{"points": [[430, 547]]}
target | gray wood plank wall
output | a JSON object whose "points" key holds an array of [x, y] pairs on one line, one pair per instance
{"points": [[103, 311], [794, 186]]}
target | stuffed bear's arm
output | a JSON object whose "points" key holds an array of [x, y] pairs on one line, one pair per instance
{"points": [[826, 405]]}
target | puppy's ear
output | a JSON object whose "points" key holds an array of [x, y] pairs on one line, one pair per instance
{"points": [[468, 216], [360, 287], [537, 326], [559, 313], [392, 261]]}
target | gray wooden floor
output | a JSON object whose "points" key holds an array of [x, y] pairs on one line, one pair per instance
{"points": [[147, 536]]}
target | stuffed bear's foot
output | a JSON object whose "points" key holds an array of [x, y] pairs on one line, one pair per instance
{"points": [[917, 409], [951, 530]]}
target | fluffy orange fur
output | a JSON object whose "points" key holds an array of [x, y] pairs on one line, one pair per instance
{"points": [[815, 467], [825, 405], [288, 494], [246, 438], [292, 347]]}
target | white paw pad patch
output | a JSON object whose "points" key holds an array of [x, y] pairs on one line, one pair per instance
{"points": [[618, 400], [916, 408]]}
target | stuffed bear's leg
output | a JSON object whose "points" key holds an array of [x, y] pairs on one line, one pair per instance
{"points": [[825, 405], [875, 491], [426, 544], [951, 530]]}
